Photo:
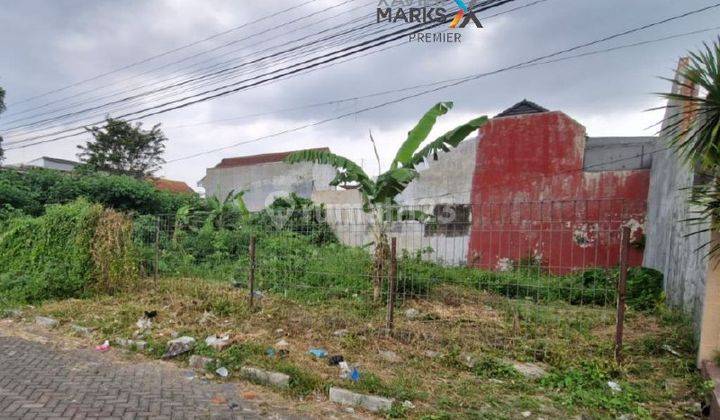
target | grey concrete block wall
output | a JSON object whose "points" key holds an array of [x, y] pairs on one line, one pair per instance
{"points": [[671, 247]]}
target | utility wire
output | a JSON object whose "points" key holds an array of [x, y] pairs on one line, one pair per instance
{"points": [[356, 98], [253, 36], [311, 63], [447, 83], [165, 53], [155, 93], [267, 57]]}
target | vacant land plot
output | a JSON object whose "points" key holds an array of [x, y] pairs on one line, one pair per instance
{"points": [[449, 355]]}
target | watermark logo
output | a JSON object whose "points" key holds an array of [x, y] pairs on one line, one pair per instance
{"points": [[429, 11], [465, 14]]}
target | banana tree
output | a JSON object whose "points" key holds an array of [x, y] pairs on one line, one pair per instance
{"points": [[379, 195]]}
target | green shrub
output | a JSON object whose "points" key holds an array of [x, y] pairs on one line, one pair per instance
{"points": [[33, 189], [644, 288], [69, 251]]}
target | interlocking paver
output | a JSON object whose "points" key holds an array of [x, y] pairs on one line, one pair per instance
{"points": [[37, 381]]}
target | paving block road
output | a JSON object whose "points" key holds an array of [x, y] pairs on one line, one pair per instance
{"points": [[38, 381]]}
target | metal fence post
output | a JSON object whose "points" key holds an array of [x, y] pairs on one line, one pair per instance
{"points": [[251, 271], [157, 251], [621, 290], [392, 285]]}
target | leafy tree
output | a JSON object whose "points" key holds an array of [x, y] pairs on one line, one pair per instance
{"points": [[379, 195], [2, 108], [694, 133], [121, 148]]}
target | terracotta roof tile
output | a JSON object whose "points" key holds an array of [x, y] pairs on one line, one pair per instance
{"points": [[258, 159], [170, 185]]}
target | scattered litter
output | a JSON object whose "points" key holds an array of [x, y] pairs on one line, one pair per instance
{"points": [[279, 331], [614, 386], [670, 350], [283, 353], [335, 360], [249, 395], [431, 354], [408, 405], [282, 344], [412, 313], [258, 294], [390, 356], [234, 405], [468, 360], [526, 414], [179, 346], [189, 375], [341, 333], [346, 372], [151, 314], [218, 399], [144, 324], [218, 342], [103, 347], [223, 372], [319, 353], [270, 352]]}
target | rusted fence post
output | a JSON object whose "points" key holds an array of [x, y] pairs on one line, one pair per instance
{"points": [[621, 286], [157, 251], [251, 271], [392, 285]]}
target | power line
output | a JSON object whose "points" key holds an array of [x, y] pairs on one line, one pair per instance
{"points": [[529, 63], [266, 58], [165, 53], [356, 98], [167, 65], [450, 82], [311, 63]]}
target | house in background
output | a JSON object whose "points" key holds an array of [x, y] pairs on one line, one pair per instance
{"points": [[542, 189], [170, 185], [50, 163], [567, 191], [264, 177]]}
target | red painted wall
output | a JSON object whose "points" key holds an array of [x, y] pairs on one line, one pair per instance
{"points": [[532, 199]]}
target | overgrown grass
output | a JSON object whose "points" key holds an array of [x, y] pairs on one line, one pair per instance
{"points": [[70, 251], [574, 342]]}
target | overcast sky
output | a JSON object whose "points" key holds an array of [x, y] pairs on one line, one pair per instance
{"points": [[48, 45]]}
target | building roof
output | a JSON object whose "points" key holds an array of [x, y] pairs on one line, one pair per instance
{"points": [[57, 160], [521, 108], [171, 185], [259, 159]]}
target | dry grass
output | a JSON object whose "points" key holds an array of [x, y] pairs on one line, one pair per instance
{"points": [[454, 323]]}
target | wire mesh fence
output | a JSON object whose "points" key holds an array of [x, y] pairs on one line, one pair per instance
{"points": [[506, 275]]}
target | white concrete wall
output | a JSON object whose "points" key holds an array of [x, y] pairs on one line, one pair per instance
{"points": [[49, 164], [264, 182], [445, 181]]}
